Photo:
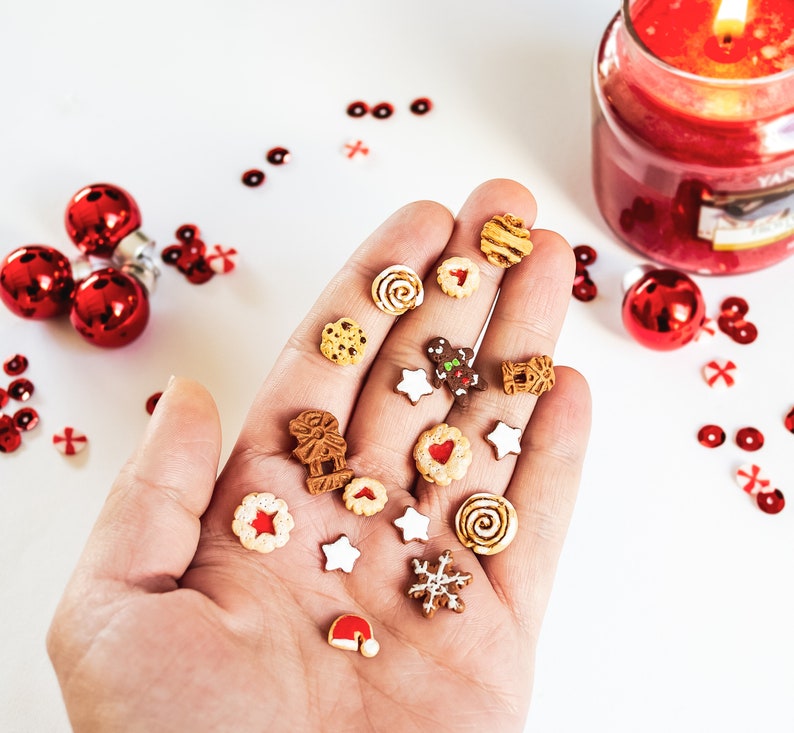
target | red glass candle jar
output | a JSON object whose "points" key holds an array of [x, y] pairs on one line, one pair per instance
{"points": [[693, 133]]}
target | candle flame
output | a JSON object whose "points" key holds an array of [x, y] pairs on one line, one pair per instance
{"points": [[731, 19]]}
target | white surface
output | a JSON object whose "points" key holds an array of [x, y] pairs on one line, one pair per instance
{"points": [[673, 605]]}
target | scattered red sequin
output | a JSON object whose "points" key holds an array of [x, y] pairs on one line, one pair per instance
{"points": [[383, 110], [15, 365], [355, 148], [732, 321], [711, 436], [788, 421], [189, 256], [151, 403], [20, 389], [771, 502], [253, 177], [421, 106], [584, 289], [357, 109], [278, 156], [10, 437], [3, 398], [26, 418], [750, 439], [69, 441]]}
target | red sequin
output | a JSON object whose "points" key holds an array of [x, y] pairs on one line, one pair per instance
{"points": [[357, 109], [20, 389], [151, 403], [26, 418], [788, 421], [278, 156], [421, 106], [584, 288], [383, 110], [187, 233], [15, 365], [10, 437], [744, 332], [711, 436], [750, 439], [3, 398], [734, 306], [253, 177], [771, 502], [585, 254]]}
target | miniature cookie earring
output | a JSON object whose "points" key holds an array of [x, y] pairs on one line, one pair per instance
{"points": [[105, 290]]}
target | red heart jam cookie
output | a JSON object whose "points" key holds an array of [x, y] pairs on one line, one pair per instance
{"points": [[365, 496], [441, 452]]}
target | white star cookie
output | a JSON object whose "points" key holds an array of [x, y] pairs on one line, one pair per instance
{"points": [[340, 555], [505, 440], [414, 385], [413, 525]]}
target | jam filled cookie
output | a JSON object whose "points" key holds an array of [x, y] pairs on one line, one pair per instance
{"points": [[262, 522], [458, 277], [365, 496], [442, 454]]}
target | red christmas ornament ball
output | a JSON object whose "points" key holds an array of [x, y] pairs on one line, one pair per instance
{"points": [[36, 282], [110, 309], [99, 216], [663, 309]]}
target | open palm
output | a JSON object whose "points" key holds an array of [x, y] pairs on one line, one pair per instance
{"points": [[170, 624]]}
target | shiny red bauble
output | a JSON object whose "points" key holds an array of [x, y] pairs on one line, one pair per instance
{"points": [[663, 309], [36, 282], [110, 308], [99, 216]]}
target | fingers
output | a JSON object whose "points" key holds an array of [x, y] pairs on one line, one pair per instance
{"points": [[543, 490], [148, 530], [302, 377]]}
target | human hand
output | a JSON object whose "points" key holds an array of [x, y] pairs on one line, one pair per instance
{"points": [[169, 624]]}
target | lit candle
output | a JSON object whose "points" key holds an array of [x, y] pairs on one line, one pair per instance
{"points": [[693, 135]]}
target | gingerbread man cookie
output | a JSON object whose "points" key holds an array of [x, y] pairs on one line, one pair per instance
{"points": [[452, 369], [343, 342], [442, 454]]}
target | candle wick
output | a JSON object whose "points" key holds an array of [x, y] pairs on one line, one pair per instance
{"points": [[727, 40]]}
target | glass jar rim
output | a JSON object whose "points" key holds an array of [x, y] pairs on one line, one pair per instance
{"points": [[749, 83]]}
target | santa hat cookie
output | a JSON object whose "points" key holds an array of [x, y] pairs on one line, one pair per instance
{"points": [[353, 633]]}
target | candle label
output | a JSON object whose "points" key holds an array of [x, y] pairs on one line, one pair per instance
{"points": [[732, 221]]}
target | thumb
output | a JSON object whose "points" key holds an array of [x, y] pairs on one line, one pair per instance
{"points": [[148, 530]]}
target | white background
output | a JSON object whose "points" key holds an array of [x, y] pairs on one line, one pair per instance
{"points": [[673, 606]]}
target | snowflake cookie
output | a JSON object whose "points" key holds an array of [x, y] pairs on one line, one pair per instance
{"points": [[438, 585], [262, 522]]}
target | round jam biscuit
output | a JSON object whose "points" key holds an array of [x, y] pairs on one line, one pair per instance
{"points": [[442, 454], [458, 277], [486, 523], [397, 289], [365, 496], [343, 342], [262, 522]]}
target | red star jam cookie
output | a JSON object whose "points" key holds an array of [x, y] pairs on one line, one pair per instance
{"points": [[365, 496], [458, 277], [442, 454], [262, 522]]}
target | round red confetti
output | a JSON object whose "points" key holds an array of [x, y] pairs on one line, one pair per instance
{"points": [[171, 254], [711, 436], [10, 437], [20, 389], [743, 332], [788, 421], [585, 254], [187, 232], [734, 306], [584, 288], [26, 418], [421, 106], [253, 177], [151, 403], [278, 156], [383, 110], [357, 109], [771, 502], [15, 365], [750, 439], [3, 398]]}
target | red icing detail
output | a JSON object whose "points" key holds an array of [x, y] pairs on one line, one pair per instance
{"points": [[441, 451], [461, 275], [366, 492], [350, 626], [263, 524]]}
